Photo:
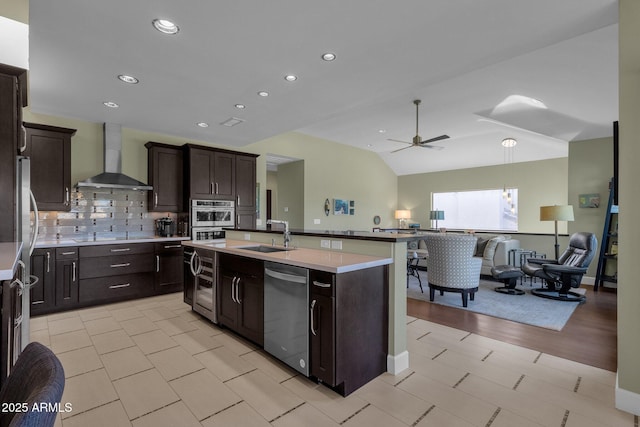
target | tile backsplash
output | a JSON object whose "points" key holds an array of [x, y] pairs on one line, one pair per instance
{"points": [[101, 214]]}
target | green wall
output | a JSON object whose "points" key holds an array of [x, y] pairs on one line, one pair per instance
{"points": [[290, 200]]}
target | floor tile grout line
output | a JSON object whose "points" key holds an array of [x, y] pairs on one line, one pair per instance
{"points": [[487, 356], [415, 423], [241, 375], [461, 379], [493, 417], [75, 414], [537, 357], [58, 353], [287, 412], [565, 418], [355, 413], [575, 389], [155, 410], [221, 410], [515, 386], [405, 378], [439, 354], [466, 336], [119, 349]]}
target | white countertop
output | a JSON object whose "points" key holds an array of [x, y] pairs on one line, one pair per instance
{"points": [[316, 259], [9, 256], [89, 242]]}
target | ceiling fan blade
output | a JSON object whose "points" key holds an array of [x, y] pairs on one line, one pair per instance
{"points": [[397, 140], [400, 149], [433, 147], [437, 138]]}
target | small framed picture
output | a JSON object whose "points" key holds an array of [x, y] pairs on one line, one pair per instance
{"points": [[340, 207]]}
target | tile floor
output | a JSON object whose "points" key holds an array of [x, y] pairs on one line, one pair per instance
{"points": [[153, 362]]}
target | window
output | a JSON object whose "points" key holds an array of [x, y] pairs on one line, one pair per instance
{"points": [[483, 210]]}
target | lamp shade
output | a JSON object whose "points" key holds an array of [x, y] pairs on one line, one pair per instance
{"points": [[403, 214], [437, 215], [556, 213]]}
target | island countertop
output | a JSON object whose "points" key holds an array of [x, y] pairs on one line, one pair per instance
{"points": [[9, 256], [316, 259], [92, 242]]}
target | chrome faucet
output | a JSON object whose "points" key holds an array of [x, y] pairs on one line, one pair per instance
{"points": [[287, 235]]}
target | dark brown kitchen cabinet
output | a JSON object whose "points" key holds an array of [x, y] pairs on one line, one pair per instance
{"points": [[169, 271], [210, 173], [241, 296], [165, 175], [348, 327], [43, 292], [49, 148], [246, 191], [67, 280], [13, 96], [188, 276]]}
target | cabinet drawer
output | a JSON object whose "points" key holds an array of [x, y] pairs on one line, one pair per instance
{"points": [[168, 248], [67, 253], [116, 287], [322, 283], [245, 265], [116, 265], [122, 249]]}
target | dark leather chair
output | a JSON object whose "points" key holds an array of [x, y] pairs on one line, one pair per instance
{"points": [[566, 272], [37, 378]]}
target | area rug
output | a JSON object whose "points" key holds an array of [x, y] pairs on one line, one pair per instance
{"points": [[527, 308]]}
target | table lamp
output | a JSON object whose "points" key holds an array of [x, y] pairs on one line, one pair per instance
{"points": [[436, 215], [402, 216], [556, 213]]}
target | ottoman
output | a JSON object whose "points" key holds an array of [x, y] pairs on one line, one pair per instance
{"points": [[509, 275]]}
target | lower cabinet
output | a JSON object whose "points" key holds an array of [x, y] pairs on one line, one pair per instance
{"points": [[349, 326], [43, 292], [241, 296], [67, 282], [169, 271]]}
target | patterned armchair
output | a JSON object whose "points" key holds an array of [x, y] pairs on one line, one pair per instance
{"points": [[451, 266]]}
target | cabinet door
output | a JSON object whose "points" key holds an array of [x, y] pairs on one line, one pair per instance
{"points": [[227, 306], [49, 148], [169, 274], [245, 183], [188, 280], [165, 176], [250, 295], [43, 266], [201, 164], [224, 169], [67, 289], [246, 219], [323, 338]]}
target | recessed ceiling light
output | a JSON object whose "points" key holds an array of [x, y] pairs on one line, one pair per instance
{"points": [[290, 78], [110, 104], [509, 142], [128, 79], [240, 106], [165, 26], [328, 56], [263, 93], [203, 125], [382, 131]]}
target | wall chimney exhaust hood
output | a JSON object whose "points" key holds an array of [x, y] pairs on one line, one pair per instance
{"points": [[112, 177]]}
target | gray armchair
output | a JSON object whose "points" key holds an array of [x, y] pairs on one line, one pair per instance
{"points": [[566, 272], [451, 266]]}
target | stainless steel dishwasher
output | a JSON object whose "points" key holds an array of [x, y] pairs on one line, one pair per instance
{"points": [[286, 315]]}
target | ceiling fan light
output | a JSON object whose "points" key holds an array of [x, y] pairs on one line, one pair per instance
{"points": [[165, 26]]}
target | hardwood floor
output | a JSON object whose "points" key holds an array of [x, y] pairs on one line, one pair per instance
{"points": [[589, 337]]}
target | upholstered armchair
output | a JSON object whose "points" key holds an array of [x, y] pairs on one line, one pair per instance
{"points": [[566, 272], [451, 266]]}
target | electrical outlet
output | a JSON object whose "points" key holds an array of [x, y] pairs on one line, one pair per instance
{"points": [[325, 244], [247, 236], [336, 244], [316, 221]]}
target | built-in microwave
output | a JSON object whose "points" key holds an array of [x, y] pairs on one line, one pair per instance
{"points": [[212, 213]]}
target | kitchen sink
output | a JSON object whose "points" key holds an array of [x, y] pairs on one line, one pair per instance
{"points": [[265, 249]]}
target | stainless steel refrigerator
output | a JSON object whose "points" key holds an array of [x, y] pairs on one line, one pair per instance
{"points": [[27, 232]]}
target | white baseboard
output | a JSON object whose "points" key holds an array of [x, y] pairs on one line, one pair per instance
{"points": [[626, 400], [398, 363], [586, 280]]}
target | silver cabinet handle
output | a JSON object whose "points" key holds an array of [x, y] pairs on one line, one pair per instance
{"points": [[211, 187], [191, 265], [157, 263], [155, 200], [233, 289], [321, 285], [69, 253], [124, 285], [124, 264], [172, 246], [67, 196], [313, 330], [73, 271], [238, 291], [121, 250], [24, 139], [48, 261], [237, 200], [217, 189]]}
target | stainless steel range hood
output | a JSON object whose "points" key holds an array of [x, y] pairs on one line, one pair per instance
{"points": [[112, 177]]}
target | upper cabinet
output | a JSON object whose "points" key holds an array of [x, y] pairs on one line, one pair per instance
{"points": [[165, 175], [213, 174], [49, 148]]}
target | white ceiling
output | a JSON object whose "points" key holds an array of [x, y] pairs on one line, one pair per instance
{"points": [[462, 58]]}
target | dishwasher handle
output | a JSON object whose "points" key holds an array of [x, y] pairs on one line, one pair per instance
{"points": [[284, 276]]}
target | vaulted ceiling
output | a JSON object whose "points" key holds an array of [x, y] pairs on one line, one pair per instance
{"points": [[543, 72]]}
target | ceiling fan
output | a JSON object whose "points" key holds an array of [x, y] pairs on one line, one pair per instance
{"points": [[417, 140]]}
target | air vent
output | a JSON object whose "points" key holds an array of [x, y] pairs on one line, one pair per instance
{"points": [[232, 122]]}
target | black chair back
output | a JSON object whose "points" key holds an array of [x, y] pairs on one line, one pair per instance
{"points": [[581, 250]]}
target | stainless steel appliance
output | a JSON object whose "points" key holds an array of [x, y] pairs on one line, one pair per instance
{"points": [[165, 227], [207, 234], [203, 270], [27, 232], [286, 315], [212, 213], [12, 319]]}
